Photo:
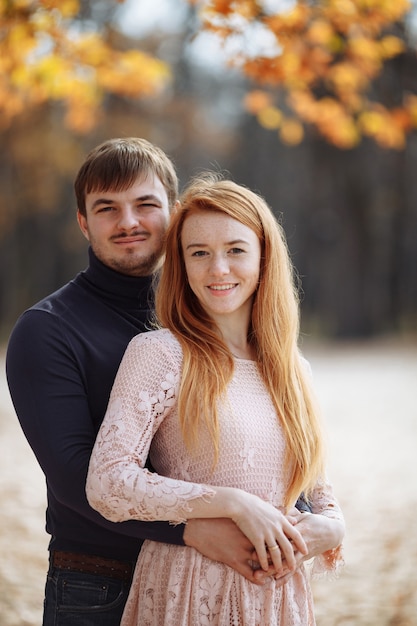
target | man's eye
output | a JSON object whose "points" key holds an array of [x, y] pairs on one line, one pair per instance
{"points": [[105, 209], [147, 206]]}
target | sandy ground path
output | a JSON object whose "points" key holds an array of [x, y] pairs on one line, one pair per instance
{"points": [[368, 392]]}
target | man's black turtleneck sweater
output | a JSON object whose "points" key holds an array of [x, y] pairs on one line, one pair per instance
{"points": [[62, 358]]}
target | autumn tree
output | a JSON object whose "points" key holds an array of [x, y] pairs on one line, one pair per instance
{"points": [[323, 57], [50, 52], [309, 62]]}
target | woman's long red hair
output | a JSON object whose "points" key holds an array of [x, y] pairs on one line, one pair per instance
{"points": [[274, 332]]}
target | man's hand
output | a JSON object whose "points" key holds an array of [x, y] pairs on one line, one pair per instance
{"points": [[221, 540]]}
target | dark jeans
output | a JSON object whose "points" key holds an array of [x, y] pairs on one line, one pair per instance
{"points": [[79, 599]]}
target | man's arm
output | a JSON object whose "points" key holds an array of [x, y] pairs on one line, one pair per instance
{"points": [[221, 540], [49, 395]]}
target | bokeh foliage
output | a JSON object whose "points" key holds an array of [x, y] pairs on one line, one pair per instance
{"points": [[323, 57]]}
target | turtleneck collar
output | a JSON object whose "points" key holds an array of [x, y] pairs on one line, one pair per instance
{"points": [[133, 289]]}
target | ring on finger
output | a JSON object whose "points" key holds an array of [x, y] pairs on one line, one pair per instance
{"points": [[274, 547]]}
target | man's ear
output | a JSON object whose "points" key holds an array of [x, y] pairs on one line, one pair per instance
{"points": [[82, 223]]}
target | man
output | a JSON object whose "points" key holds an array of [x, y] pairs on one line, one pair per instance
{"points": [[62, 357]]}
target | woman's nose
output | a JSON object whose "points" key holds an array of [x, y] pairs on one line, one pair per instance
{"points": [[219, 266]]}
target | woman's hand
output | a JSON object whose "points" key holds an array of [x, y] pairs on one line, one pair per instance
{"points": [[320, 534], [272, 534]]}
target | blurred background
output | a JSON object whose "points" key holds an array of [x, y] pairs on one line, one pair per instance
{"points": [[323, 127], [314, 106]]}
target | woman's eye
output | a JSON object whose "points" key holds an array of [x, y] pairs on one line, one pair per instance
{"points": [[236, 251], [199, 253]]}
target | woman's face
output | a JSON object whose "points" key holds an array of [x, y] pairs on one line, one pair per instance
{"points": [[222, 261]]}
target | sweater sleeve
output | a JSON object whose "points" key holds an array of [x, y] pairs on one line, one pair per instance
{"points": [[49, 394], [143, 395]]}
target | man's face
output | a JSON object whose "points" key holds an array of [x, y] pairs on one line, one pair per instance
{"points": [[126, 228]]}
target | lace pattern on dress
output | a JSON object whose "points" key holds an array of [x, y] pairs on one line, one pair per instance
{"points": [[330, 562], [119, 486]]}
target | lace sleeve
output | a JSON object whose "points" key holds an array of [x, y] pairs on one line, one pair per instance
{"points": [[143, 394], [323, 502]]}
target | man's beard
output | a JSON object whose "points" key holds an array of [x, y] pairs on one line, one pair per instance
{"points": [[133, 266]]}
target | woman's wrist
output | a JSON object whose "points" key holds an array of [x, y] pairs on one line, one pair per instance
{"points": [[320, 533]]}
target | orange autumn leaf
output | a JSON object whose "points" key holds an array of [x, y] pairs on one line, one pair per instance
{"points": [[304, 104], [222, 7], [345, 76], [382, 126], [67, 8], [270, 117], [391, 46], [344, 134], [292, 21], [291, 132], [410, 105], [401, 118], [321, 32], [256, 100], [366, 53]]}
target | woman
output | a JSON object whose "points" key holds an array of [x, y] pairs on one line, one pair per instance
{"points": [[221, 399]]}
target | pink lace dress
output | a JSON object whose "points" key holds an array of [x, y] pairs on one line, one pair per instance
{"points": [[176, 585]]}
